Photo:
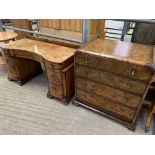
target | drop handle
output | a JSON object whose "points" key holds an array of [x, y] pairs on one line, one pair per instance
{"points": [[86, 61], [84, 96], [86, 73], [129, 85], [133, 72], [125, 99]]}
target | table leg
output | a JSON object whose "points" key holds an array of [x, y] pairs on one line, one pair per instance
{"points": [[150, 113]]}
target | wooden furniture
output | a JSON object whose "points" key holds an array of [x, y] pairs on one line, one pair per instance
{"points": [[7, 36], [144, 34], [113, 77], [150, 108], [23, 62], [72, 28], [22, 24]]}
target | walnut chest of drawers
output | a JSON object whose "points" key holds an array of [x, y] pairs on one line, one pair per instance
{"points": [[113, 77]]}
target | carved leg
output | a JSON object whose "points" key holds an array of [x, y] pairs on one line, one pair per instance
{"points": [[151, 111], [131, 128], [66, 101], [9, 79], [49, 95], [20, 83], [148, 120], [75, 103]]}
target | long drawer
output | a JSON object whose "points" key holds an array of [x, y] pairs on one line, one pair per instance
{"points": [[114, 66], [104, 105], [113, 94], [111, 79], [54, 76]]}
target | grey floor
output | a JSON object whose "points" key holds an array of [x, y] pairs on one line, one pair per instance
{"points": [[27, 110]]}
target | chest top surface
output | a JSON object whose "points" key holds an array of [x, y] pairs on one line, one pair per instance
{"points": [[50, 52], [124, 51], [4, 36]]}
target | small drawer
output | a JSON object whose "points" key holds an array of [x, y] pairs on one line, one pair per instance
{"points": [[52, 65], [56, 90], [54, 76]]}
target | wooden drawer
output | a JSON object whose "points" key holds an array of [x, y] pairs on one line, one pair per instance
{"points": [[113, 94], [53, 65], [54, 76], [104, 105], [111, 79], [56, 90], [114, 66], [24, 54]]}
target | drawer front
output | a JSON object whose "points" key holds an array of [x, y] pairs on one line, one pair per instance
{"points": [[53, 65], [24, 54], [54, 76], [111, 79], [113, 94], [114, 66], [104, 105], [56, 90]]}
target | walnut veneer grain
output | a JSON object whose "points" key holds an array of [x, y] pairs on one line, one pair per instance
{"points": [[23, 62]]}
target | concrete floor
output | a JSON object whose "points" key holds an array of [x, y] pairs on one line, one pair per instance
{"points": [[27, 110]]}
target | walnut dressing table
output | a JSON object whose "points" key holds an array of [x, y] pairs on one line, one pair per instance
{"points": [[23, 59], [113, 77]]}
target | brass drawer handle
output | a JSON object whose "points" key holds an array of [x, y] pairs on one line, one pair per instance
{"points": [[129, 85], [125, 99], [54, 89], [84, 96], [86, 61], [133, 72], [86, 73]]}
